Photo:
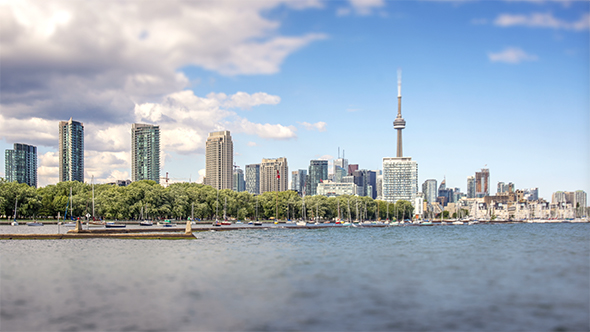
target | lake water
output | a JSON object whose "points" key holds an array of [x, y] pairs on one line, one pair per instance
{"points": [[513, 277]]}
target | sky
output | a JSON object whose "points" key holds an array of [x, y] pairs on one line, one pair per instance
{"points": [[497, 84]]}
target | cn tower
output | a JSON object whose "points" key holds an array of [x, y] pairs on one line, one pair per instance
{"points": [[399, 122]]}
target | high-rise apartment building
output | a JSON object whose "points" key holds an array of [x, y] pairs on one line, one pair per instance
{"points": [[577, 199], [145, 152], [20, 164], [531, 194], [558, 197], [253, 179], [470, 187], [219, 160], [295, 181], [400, 179], [239, 182], [580, 199], [429, 190], [502, 188], [71, 151], [318, 172], [482, 183], [274, 175], [379, 186], [302, 179], [352, 168]]}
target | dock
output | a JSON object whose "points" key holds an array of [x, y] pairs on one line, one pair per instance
{"points": [[137, 234], [141, 236]]}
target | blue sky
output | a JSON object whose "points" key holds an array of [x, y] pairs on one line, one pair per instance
{"points": [[502, 84]]}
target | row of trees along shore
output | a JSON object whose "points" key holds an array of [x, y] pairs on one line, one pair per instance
{"points": [[181, 200]]}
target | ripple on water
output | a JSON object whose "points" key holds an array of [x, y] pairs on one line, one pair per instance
{"points": [[481, 277]]}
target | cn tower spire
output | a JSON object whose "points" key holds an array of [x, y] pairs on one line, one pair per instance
{"points": [[399, 122]]}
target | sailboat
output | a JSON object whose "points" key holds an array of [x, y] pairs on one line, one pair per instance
{"points": [[93, 223], [216, 222], [69, 224], [33, 223], [14, 222], [225, 221], [144, 222], [302, 222]]}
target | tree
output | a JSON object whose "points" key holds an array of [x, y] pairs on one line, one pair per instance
{"points": [[403, 210]]}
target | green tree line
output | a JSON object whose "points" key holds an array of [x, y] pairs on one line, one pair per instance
{"points": [[183, 200]]}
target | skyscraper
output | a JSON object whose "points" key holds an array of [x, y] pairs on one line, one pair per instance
{"points": [[295, 181], [400, 179], [20, 164], [340, 169], [429, 190], [470, 187], [482, 183], [219, 160], [502, 188], [318, 172], [301, 181], [71, 151], [400, 174], [145, 152], [253, 179], [239, 183], [274, 175]]}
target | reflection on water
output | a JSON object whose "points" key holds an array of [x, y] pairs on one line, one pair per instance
{"points": [[481, 277]]}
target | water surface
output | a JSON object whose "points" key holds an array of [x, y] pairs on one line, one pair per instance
{"points": [[514, 277]]}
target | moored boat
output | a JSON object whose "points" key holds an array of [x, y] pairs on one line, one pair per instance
{"points": [[111, 224]]}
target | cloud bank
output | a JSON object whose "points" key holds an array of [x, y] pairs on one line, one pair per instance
{"points": [[109, 64]]}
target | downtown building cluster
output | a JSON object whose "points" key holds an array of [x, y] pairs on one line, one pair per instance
{"points": [[397, 180]]}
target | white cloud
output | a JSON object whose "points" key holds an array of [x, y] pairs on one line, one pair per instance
{"points": [[109, 64], [319, 126], [107, 166], [47, 169], [35, 131], [246, 101], [542, 20], [202, 173], [360, 7], [266, 130], [512, 55], [252, 144], [186, 119], [95, 60]]}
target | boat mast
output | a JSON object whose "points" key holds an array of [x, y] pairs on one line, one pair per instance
{"points": [[256, 208], [71, 201], [378, 216], [15, 206], [349, 219], [93, 200], [316, 211]]}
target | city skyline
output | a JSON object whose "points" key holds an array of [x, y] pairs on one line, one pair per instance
{"points": [[501, 84]]}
